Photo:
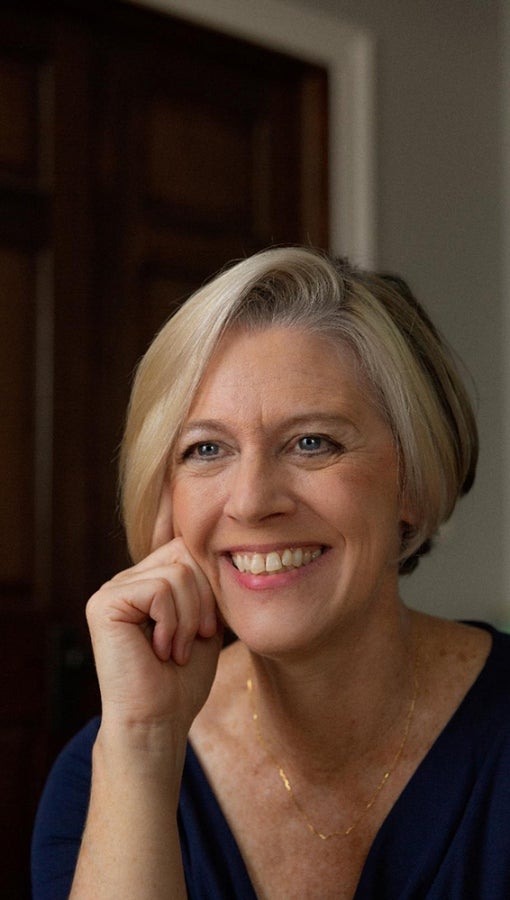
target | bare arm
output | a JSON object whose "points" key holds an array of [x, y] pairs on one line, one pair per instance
{"points": [[156, 646], [131, 845]]}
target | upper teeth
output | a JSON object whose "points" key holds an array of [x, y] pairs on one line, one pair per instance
{"points": [[257, 563]]}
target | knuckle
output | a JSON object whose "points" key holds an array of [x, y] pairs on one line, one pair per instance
{"points": [[160, 581], [121, 576], [93, 606], [178, 544], [182, 573]]}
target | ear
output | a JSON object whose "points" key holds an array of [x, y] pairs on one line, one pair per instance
{"points": [[163, 527]]}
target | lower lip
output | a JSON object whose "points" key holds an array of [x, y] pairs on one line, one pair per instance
{"points": [[271, 581]]}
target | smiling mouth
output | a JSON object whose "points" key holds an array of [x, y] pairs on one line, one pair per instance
{"points": [[275, 561]]}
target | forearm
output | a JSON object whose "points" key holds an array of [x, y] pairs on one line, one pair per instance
{"points": [[131, 846], [142, 623]]}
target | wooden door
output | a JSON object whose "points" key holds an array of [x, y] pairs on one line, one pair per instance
{"points": [[138, 154]]}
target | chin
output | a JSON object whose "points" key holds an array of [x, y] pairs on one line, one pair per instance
{"points": [[263, 636]]}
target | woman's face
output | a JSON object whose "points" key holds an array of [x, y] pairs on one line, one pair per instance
{"points": [[285, 489]]}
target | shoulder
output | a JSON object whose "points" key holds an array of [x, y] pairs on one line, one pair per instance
{"points": [[454, 653], [68, 783], [69, 777], [482, 652], [490, 694], [466, 668]]}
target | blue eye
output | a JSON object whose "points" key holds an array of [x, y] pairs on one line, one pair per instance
{"points": [[311, 442], [206, 450], [317, 445], [202, 450]]}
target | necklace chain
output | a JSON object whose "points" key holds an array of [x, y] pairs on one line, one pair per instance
{"points": [[285, 779]]}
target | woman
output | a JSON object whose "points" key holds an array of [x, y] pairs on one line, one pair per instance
{"points": [[297, 434]]}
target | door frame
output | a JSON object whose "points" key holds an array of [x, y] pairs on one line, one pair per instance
{"points": [[348, 55]]}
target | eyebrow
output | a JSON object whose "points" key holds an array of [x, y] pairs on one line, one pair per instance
{"points": [[302, 419], [202, 425]]}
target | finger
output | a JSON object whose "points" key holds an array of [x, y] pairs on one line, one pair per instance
{"points": [[138, 602], [186, 603], [208, 619], [171, 554], [173, 551], [165, 603], [179, 552]]}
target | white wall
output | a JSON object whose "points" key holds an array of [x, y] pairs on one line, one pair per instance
{"points": [[438, 220], [505, 222], [440, 213]]}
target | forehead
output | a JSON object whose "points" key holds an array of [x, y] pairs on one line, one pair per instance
{"points": [[280, 367]]}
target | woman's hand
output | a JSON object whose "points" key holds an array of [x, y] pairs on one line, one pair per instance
{"points": [[156, 641]]}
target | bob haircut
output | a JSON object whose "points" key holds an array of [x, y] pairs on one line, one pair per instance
{"points": [[412, 374]]}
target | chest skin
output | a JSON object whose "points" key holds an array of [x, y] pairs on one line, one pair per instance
{"points": [[283, 859]]}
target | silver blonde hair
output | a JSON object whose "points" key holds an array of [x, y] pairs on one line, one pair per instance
{"points": [[411, 372]]}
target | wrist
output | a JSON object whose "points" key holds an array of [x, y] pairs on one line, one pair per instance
{"points": [[140, 755]]}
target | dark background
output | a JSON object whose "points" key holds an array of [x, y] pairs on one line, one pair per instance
{"points": [[138, 154]]}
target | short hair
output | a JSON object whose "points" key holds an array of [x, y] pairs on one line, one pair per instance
{"points": [[411, 370]]}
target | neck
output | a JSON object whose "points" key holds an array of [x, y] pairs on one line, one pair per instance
{"points": [[325, 711]]}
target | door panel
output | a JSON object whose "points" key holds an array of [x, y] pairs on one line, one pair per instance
{"points": [[17, 377], [138, 154]]}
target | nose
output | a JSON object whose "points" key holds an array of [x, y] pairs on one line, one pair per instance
{"points": [[258, 490]]}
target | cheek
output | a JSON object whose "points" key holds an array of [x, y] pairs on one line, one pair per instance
{"points": [[365, 504], [183, 511], [192, 516]]}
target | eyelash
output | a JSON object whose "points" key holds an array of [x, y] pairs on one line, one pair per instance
{"points": [[326, 446], [330, 447], [192, 451]]}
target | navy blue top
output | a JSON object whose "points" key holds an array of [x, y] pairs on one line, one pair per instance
{"points": [[446, 838]]}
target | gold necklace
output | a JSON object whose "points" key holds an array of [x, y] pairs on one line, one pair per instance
{"points": [[284, 777]]}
